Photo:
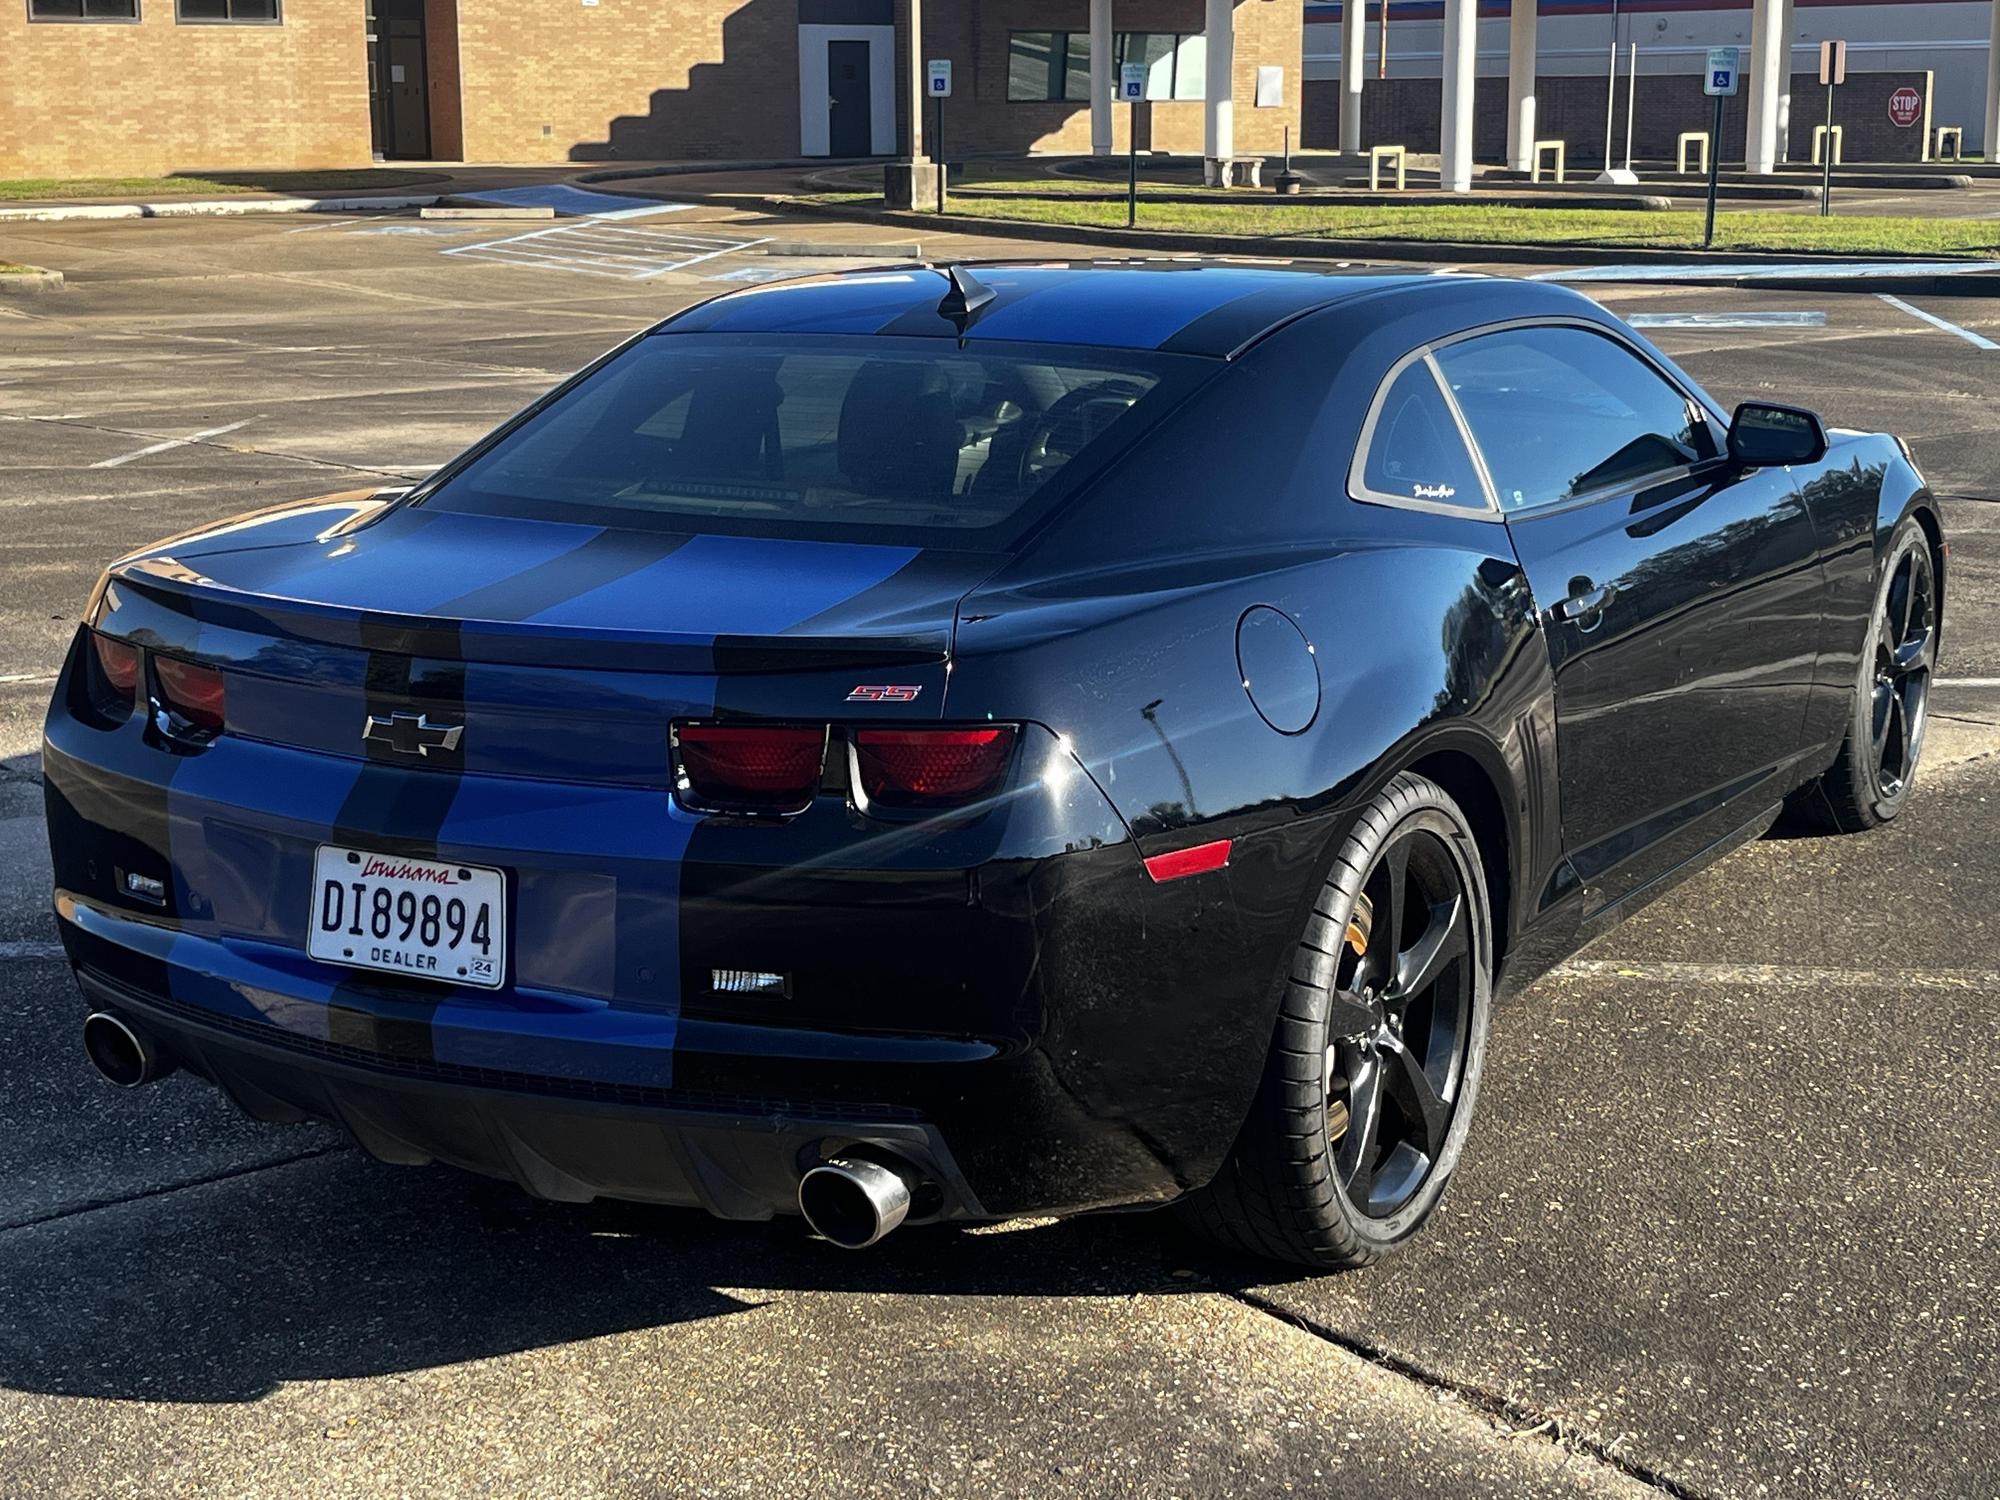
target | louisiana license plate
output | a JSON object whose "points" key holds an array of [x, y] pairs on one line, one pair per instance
{"points": [[409, 916]]}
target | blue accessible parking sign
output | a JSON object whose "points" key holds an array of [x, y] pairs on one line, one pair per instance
{"points": [[1722, 73]]}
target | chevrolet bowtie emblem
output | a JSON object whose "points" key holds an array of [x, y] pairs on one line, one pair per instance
{"points": [[411, 734]]}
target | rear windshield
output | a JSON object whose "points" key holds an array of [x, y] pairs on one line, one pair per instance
{"points": [[863, 438]]}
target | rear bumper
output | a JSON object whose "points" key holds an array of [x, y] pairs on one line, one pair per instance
{"points": [[738, 1158], [1008, 1001]]}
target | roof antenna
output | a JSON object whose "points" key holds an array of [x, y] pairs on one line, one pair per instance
{"points": [[966, 299]]}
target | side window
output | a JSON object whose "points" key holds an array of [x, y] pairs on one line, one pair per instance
{"points": [[1415, 450], [1560, 412]]}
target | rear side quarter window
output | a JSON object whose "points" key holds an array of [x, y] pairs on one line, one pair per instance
{"points": [[1413, 450]]}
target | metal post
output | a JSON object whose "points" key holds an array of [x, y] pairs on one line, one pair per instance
{"points": [[1826, 160], [937, 131], [1714, 166], [1631, 98], [1611, 87], [1132, 169], [1382, 47]]}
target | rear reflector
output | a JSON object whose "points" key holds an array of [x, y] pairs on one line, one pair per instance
{"points": [[191, 691], [750, 767], [929, 767], [1183, 862]]}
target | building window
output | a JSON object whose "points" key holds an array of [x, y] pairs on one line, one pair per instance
{"points": [[264, 12], [83, 10], [1055, 65]]}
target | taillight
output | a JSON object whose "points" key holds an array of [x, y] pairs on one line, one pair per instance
{"points": [[191, 691], [929, 767], [772, 768], [114, 681]]}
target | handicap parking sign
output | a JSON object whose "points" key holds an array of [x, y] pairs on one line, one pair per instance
{"points": [[1722, 73]]}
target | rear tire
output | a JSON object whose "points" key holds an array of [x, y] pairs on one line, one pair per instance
{"points": [[1869, 782], [1374, 1070]]}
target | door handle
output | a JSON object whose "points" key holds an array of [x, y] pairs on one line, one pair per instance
{"points": [[1585, 602]]}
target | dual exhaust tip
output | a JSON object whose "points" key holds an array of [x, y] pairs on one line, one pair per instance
{"points": [[122, 1053], [851, 1201]]}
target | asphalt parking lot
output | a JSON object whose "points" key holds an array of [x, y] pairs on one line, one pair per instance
{"points": [[1729, 1224]]}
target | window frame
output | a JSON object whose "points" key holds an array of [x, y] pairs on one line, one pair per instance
{"points": [[231, 20], [131, 20], [1357, 469], [1716, 423]]}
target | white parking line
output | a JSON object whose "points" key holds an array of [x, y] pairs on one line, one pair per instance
{"points": [[1782, 976], [30, 952], [1704, 320], [595, 248], [1979, 682], [1967, 334], [179, 442], [14, 677]]}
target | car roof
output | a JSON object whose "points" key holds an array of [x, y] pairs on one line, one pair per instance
{"points": [[1194, 307]]}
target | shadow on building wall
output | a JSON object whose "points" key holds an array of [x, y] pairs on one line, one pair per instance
{"points": [[746, 104]]}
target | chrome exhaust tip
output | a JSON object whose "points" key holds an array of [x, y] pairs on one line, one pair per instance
{"points": [[120, 1052], [854, 1202]]}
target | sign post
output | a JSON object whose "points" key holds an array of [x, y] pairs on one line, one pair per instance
{"points": [[938, 84], [1832, 70], [1719, 82], [1132, 89]]}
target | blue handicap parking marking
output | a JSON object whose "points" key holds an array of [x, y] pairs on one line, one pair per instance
{"points": [[575, 202], [1843, 271], [1727, 320]]}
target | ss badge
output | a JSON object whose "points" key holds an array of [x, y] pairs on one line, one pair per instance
{"points": [[871, 693]]}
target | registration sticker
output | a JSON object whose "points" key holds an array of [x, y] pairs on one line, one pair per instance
{"points": [[420, 917]]}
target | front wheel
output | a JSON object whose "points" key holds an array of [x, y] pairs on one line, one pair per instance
{"points": [[1369, 1087], [1871, 780]]}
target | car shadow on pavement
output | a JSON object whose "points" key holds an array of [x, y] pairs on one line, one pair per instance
{"points": [[334, 1267]]}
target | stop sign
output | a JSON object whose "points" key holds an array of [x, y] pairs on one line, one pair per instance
{"points": [[1905, 106]]}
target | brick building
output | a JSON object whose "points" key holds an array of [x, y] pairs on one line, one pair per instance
{"points": [[132, 87]]}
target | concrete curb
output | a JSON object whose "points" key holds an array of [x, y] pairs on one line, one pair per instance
{"points": [[32, 282], [1313, 197], [54, 213], [1702, 269]]}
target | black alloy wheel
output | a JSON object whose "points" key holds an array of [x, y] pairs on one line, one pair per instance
{"points": [[1405, 997], [1375, 1061], [1871, 779], [1905, 646]]}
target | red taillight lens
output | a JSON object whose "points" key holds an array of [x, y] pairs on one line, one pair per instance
{"points": [[751, 767], [116, 680], [924, 767], [191, 691]]}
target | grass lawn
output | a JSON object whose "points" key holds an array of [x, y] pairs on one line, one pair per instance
{"points": [[1480, 224], [9, 268], [31, 189]]}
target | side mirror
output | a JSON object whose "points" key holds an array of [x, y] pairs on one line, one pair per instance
{"points": [[1762, 436]]}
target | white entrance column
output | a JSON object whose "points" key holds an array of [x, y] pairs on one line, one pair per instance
{"points": [[1461, 42], [1991, 144], [1767, 57], [1218, 118], [1353, 65], [1521, 84], [1100, 77]]}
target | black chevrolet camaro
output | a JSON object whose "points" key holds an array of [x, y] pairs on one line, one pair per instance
{"points": [[951, 744]]}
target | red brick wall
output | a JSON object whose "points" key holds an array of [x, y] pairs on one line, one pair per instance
{"points": [[151, 97], [1404, 111]]}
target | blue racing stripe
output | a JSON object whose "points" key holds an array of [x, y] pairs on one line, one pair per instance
{"points": [[733, 585], [1139, 309]]}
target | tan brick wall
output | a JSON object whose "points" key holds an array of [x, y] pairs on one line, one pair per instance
{"points": [[116, 99], [629, 79]]}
